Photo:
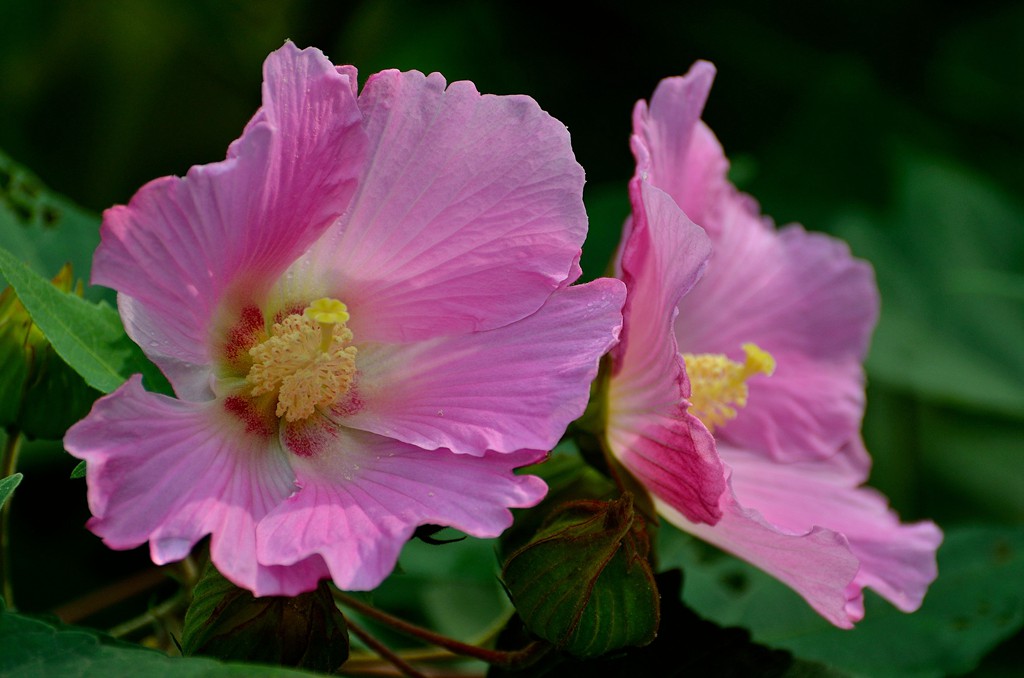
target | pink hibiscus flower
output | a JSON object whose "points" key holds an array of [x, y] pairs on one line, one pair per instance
{"points": [[366, 316], [754, 336]]}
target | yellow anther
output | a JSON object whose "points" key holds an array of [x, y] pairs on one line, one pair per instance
{"points": [[307, 360], [719, 385]]}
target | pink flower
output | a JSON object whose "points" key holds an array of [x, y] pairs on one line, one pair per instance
{"points": [[365, 313], [711, 313]]}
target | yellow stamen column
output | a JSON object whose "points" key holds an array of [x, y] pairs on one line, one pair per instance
{"points": [[719, 385], [307, 360]]}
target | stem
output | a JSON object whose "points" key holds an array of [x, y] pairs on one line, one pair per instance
{"points": [[90, 604], [384, 651], [8, 462], [150, 616], [505, 659]]}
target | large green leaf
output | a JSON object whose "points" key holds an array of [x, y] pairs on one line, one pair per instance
{"points": [[976, 602], [452, 588], [31, 647], [41, 395], [43, 229], [950, 266], [88, 336]]}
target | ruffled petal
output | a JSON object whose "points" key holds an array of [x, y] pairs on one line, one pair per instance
{"points": [[817, 564], [469, 216], [680, 154], [673, 455], [511, 388], [663, 258], [896, 560], [363, 495], [807, 409], [231, 228], [170, 472], [803, 298], [648, 427], [810, 526]]}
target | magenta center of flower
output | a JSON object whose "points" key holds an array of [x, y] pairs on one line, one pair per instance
{"points": [[718, 385], [307, 361]]}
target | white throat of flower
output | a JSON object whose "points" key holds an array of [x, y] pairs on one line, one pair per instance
{"points": [[307, 360], [718, 385]]}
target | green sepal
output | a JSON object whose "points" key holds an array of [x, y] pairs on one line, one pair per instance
{"points": [[307, 631], [686, 646], [584, 583]]}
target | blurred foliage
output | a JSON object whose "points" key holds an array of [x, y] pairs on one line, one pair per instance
{"points": [[31, 647], [977, 601], [894, 125]]}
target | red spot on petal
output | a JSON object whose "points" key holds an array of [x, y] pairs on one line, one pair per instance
{"points": [[256, 422], [244, 334], [290, 309], [307, 439], [349, 404]]}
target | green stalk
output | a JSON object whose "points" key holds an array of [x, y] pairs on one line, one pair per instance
{"points": [[514, 659], [8, 462]]}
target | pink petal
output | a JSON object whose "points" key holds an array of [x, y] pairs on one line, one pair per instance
{"points": [[362, 498], [170, 472], [804, 299], [817, 564], [648, 427], [181, 246], [673, 455], [511, 388], [810, 526], [663, 258], [806, 409], [681, 156], [896, 560], [469, 215]]}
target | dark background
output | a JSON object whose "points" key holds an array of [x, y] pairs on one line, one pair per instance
{"points": [[896, 125]]}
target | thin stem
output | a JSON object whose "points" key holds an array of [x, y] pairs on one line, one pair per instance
{"points": [[384, 651], [8, 462], [506, 659], [150, 616], [101, 599]]}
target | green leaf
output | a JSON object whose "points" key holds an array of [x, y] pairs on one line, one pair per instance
{"points": [[31, 647], [42, 396], [306, 631], [583, 582], [79, 470], [950, 265], [7, 486], [89, 337], [43, 229], [452, 588], [976, 602]]}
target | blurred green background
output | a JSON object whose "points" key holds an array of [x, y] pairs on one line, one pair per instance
{"points": [[896, 125]]}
